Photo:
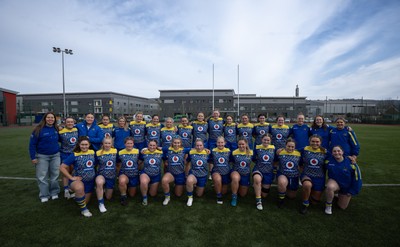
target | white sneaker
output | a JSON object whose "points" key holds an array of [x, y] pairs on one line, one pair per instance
{"points": [[166, 200], [102, 208], [189, 202], [55, 197], [144, 202], [209, 177], [259, 206], [44, 199], [86, 213], [67, 195], [328, 209]]}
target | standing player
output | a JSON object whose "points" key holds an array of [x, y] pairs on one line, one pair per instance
{"points": [[185, 131], [128, 178], [342, 136], [197, 175], [174, 160], [120, 132], [300, 132], [260, 129], [138, 131], [319, 127], [288, 171], [83, 175], [245, 130], [151, 174], [106, 126], [90, 129], [45, 156], [263, 171], [241, 170], [230, 133], [167, 134], [67, 137], [313, 175], [280, 133], [215, 129], [220, 157], [200, 129], [153, 130]]}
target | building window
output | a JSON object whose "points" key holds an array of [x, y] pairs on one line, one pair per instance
{"points": [[74, 110], [98, 110], [74, 102], [97, 102], [220, 101], [169, 101], [45, 103]]}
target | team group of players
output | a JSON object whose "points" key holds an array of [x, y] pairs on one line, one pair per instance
{"points": [[144, 155]]}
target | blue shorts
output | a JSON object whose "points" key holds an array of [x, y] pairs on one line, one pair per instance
{"points": [[318, 184], [344, 191], [201, 181], [110, 183], [244, 180], [133, 181], [88, 186], [267, 178], [179, 179], [226, 179], [153, 179], [293, 183]]}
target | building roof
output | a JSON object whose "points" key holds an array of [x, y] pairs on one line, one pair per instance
{"points": [[8, 91]]}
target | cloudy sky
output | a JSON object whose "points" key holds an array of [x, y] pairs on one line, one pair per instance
{"points": [[334, 49]]}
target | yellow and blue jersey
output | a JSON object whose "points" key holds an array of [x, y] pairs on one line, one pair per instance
{"points": [[221, 160], [67, 138], [264, 157], [176, 160], [346, 139], [242, 161], [153, 132], [279, 135], [186, 135], [246, 131], [166, 136], [215, 128], [107, 163], [313, 162], [259, 130], [230, 133], [346, 174], [198, 162], [107, 129], [129, 162], [84, 165], [289, 163], [200, 130], [138, 131], [152, 162]]}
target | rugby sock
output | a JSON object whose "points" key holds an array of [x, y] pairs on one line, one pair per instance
{"points": [[281, 195], [81, 202], [168, 194], [101, 201], [258, 198], [219, 195], [145, 197], [234, 196], [328, 204], [306, 203], [189, 194], [66, 188]]}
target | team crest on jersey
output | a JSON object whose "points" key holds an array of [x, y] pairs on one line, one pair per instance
{"points": [[265, 157], [313, 162], [279, 136], [107, 135], [137, 131], [109, 163], [129, 163], [289, 164], [221, 160], [242, 164], [185, 134], [200, 128], [175, 158], [230, 131], [199, 163], [245, 134], [153, 133], [89, 163], [168, 138], [72, 140], [262, 132], [216, 127], [152, 161]]}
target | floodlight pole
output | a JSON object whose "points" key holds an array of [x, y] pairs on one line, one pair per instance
{"points": [[67, 51]]}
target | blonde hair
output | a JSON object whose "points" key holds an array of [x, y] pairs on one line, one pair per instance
{"points": [[106, 138]]}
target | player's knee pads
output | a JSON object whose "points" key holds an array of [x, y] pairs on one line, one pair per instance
{"points": [[265, 190]]}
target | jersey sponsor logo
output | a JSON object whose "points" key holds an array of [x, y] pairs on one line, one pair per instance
{"points": [[152, 161], [175, 158], [129, 163], [245, 134], [313, 162], [242, 164], [216, 127], [185, 135], [289, 164], [265, 157], [262, 132], [72, 140], [107, 135], [279, 136], [153, 133], [89, 163], [168, 138], [221, 160], [109, 163], [230, 131], [200, 128], [199, 163], [137, 131]]}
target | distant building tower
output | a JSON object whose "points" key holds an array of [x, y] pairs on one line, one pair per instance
{"points": [[297, 91]]}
